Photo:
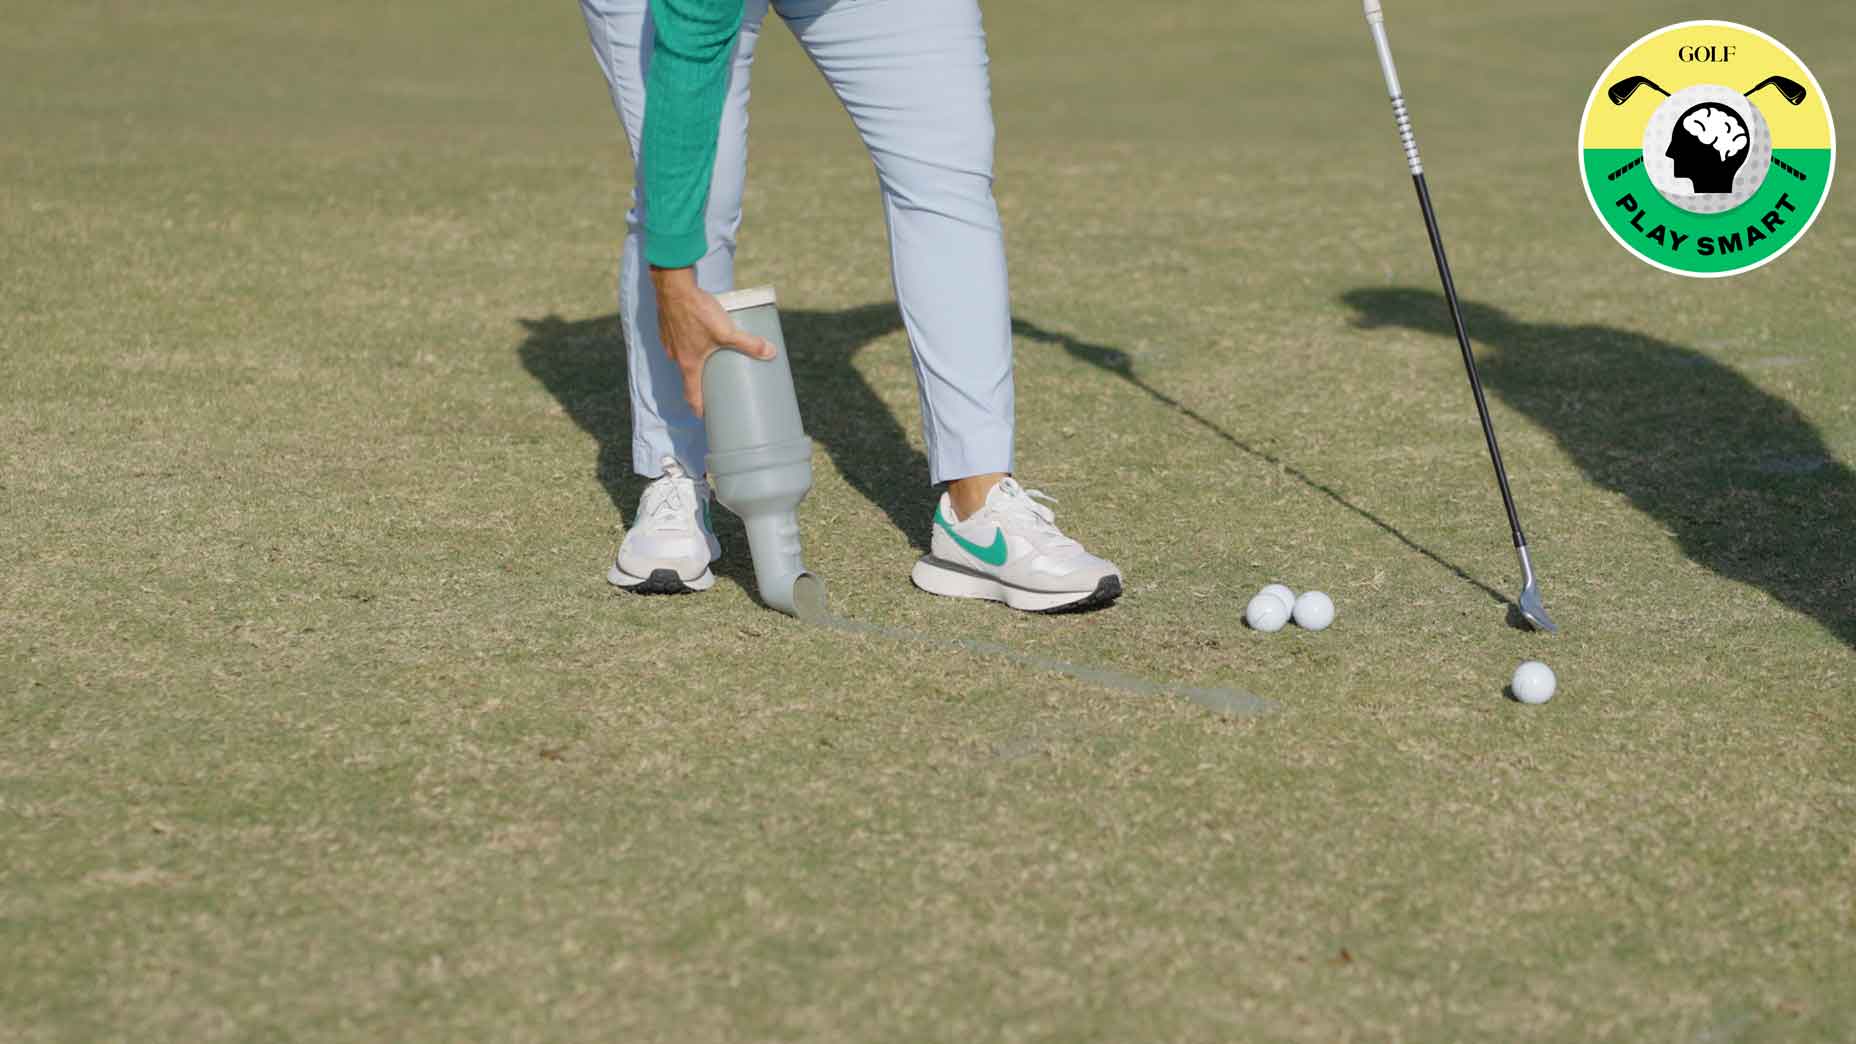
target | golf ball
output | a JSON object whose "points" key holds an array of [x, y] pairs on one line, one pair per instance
{"points": [[1314, 611], [1533, 682], [1266, 612], [1281, 591]]}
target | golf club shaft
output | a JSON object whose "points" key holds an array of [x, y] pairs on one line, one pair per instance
{"points": [[1469, 356], [1376, 21]]}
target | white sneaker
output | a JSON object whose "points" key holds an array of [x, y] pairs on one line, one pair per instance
{"points": [[670, 545], [1011, 551]]}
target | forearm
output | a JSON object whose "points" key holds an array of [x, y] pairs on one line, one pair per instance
{"points": [[684, 92]]}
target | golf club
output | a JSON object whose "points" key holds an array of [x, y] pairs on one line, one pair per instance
{"points": [[1791, 90], [1621, 91], [1529, 603]]}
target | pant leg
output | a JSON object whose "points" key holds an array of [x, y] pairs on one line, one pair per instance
{"points": [[912, 74], [662, 422]]}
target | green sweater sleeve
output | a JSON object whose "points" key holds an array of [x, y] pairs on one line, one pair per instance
{"points": [[684, 92]]}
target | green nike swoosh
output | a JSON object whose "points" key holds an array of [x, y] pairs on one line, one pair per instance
{"points": [[992, 556]]}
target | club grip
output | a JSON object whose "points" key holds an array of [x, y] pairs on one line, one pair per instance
{"points": [[1406, 138], [1373, 12]]}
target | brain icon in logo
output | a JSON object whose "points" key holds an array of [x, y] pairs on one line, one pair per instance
{"points": [[1707, 149]]}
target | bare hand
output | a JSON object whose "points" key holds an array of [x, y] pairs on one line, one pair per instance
{"points": [[694, 326]]}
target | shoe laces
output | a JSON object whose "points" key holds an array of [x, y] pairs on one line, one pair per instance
{"points": [[663, 504], [1022, 505]]}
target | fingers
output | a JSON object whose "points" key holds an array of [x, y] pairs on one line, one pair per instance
{"points": [[694, 327], [723, 333], [748, 344], [692, 383], [689, 364], [736, 340]]}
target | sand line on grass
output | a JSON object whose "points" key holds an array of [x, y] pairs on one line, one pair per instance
{"points": [[1235, 703]]}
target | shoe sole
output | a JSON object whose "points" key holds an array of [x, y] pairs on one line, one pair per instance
{"points": [[661, 581], [945, 578]]}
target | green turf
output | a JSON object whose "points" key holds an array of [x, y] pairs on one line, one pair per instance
{"points": [[318, 721]]}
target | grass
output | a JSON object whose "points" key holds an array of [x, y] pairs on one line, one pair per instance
{"points": [[317, 720]]}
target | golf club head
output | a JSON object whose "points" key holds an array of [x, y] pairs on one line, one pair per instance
{"points": [[1622, 90], [1791, 90], [1529, 604], [1535, 613]]}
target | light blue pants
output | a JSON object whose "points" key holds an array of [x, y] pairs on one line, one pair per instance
{"points": [[912, 75]]}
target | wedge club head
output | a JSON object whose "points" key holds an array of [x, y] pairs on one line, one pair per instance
{"points": [[1791, 90], [1622, 90], [1532, 610]]}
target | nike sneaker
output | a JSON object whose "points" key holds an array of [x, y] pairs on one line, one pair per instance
{"points": [[670, 544], [1011, 551]]}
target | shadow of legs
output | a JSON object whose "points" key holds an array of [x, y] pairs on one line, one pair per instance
{"points": [[866, 442], [1741, 479], [581, 362]]}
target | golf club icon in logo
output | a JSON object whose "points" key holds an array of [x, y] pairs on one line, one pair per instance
{"points": [[1709, 142], [1689, 187]]}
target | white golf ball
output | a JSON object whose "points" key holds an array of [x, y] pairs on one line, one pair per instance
{"points": [[1266, 613], [1314, 611], [1281, 591], [1533, 682]]}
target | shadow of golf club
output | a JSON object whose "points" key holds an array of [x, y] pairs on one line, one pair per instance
{"points": [[1117, 362], [1740, 479], [582, 364]]}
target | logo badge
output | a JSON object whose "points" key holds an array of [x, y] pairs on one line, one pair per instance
{"points": [[1707, 149]]}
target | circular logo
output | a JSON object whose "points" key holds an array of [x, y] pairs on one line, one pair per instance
{"points": [[1707, 149]]}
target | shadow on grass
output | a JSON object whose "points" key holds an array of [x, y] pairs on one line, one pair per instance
{"points": [[1740, 479], [581, 362], [1117, 362]]}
